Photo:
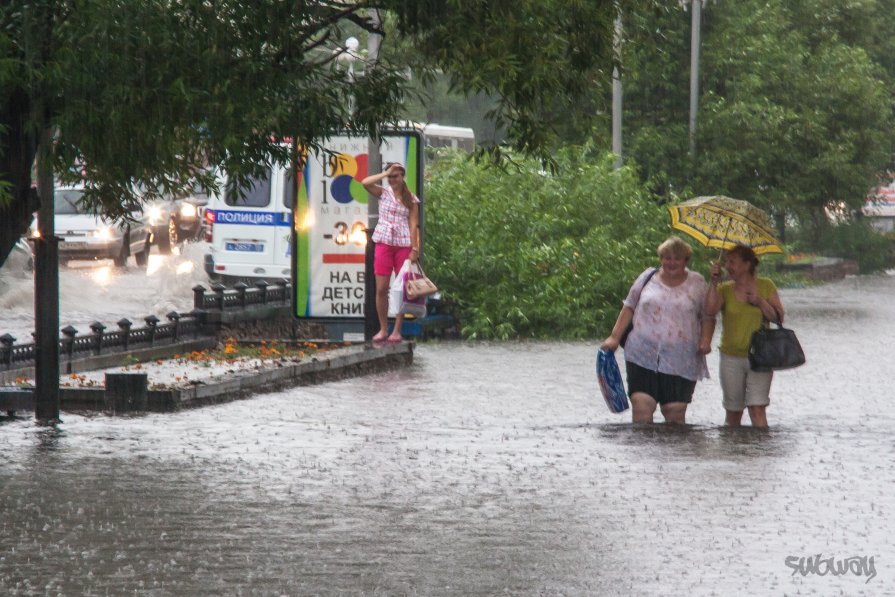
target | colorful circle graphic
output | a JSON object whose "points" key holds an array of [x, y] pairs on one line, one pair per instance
{"points": [[348, 171]]}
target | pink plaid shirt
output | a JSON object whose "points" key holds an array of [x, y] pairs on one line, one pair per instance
{"points": [[393, 227]]}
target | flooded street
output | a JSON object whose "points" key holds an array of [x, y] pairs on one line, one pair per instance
{"points": [[491, 469], [98, 291]]}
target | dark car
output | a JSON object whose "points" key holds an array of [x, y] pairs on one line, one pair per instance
{"points": [[177, 219]]}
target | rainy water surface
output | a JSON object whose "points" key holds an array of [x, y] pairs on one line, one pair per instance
{"points": [[481, 470]]}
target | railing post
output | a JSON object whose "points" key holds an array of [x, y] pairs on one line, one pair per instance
{"points": [[240, 288], [97, 328], [218, 290], [262, 286], [68, 341], [198, 316], [6, 340], [151, 322], [125, 326], [174, 317], [198, 296]]}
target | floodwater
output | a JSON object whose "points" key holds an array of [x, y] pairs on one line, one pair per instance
{"points": [[488, 469], [92, 291]]}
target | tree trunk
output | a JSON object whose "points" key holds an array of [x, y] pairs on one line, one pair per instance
{"points": [[46, 293], [16, 163]]}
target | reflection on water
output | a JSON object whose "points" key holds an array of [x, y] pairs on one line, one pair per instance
{"points": [[481, 470]]}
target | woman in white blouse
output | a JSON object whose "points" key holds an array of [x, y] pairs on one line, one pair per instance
{"points": [[665, 352]]}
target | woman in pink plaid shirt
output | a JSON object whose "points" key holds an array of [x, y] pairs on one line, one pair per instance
{"points": [[397, 238]]}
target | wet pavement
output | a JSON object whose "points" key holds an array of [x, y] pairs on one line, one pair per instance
{"points": [[481, 470]]}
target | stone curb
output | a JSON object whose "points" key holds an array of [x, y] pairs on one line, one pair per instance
{"points": [[330, 365]]}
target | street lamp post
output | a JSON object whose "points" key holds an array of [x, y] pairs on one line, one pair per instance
{"points": [[350, 56], [695, 33], [617, 95], [374, 164]]}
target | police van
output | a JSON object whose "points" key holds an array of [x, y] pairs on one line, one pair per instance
{"points": [[249, 230]]}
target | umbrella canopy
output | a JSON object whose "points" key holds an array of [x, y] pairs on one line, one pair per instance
{"points": [[722, 223]]}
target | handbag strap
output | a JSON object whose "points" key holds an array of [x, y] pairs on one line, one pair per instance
{"points": [[418, 266], [645, 282], [779, 321]]}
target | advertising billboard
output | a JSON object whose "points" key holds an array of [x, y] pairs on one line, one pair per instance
{"points": [[330, 220]]}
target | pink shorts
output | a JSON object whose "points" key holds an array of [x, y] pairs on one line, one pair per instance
{"points": [[389, 258]]}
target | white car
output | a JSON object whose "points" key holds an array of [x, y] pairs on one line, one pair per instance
{"points": [[19, 263], [84, 235]]}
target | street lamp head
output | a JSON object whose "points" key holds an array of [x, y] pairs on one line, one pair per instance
{"points": [[349, 54]]}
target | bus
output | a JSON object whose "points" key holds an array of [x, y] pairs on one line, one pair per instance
{"points": [[455, 137]]}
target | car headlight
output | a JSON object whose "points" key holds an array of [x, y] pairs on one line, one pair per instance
{"points": [[105, 233], [155, 215], [188, 210]]}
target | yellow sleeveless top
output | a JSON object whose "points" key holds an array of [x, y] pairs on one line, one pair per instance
{"points": [[739, 319]]}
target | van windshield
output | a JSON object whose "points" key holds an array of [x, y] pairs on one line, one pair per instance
{"points": [[257, 194]]}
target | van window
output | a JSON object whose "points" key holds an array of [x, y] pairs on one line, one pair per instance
{"points": [[257, 194]]}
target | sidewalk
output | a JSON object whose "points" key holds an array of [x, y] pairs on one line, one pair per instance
{"points": [[202, 378]]}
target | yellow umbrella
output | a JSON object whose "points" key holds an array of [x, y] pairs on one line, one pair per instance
{"points": [[722, 222]]}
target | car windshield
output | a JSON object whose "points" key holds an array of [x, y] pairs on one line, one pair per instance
{"points": [[66, 202]]}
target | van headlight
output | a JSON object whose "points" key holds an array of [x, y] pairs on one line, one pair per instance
{"points": [[188, 210]]}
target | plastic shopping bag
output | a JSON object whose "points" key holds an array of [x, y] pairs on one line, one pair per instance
{"points": [[610, 378], [398, 301]]}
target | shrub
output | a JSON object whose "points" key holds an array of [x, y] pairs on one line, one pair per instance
{"points": [[527, 253]]}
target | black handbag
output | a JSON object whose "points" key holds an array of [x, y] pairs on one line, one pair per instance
{"points": [[775, 349], [630, 327]]}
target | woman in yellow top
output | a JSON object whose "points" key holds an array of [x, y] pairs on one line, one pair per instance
{"points": [[744, 301]]}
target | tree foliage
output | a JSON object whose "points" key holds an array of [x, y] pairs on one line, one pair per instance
{"points": [[529, 253], [138, 94], [795, 110]]}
